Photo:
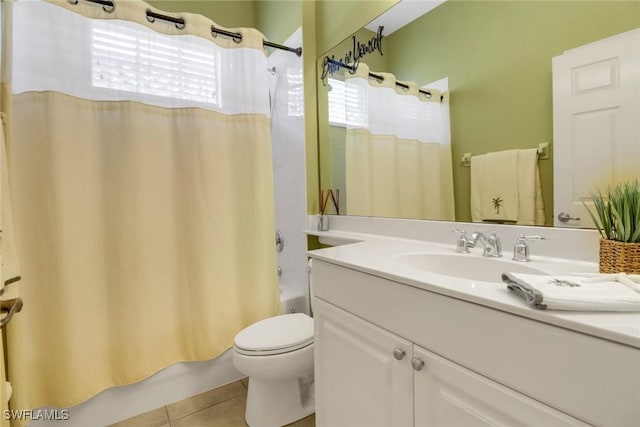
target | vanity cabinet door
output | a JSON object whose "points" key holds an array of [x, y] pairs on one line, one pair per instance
{"points": [[447, 394], [363, 373]]}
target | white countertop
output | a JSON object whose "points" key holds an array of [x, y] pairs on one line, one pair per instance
{"points": [[375, 254]]}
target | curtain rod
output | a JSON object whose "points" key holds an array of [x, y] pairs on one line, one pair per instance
{"points": [[378, 77], [109, 6], [237, 37]]}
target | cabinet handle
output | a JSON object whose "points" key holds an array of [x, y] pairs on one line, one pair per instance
{"points": [[417, 363], [399, 353]]}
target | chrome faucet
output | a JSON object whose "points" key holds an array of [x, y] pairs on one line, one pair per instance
{"points": [[492, 246]]}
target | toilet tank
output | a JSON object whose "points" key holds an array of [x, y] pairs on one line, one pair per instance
{"points": [[292, 300]]}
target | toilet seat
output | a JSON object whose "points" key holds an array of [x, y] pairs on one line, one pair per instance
{"points": [[275, 335]]}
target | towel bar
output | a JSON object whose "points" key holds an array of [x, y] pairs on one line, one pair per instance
{"points": [[10, 307], [543, 154]]}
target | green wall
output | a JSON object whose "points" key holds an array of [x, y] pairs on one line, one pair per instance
{"points": [[337, 20], [278, 19], [497, 55], [227, 13]]}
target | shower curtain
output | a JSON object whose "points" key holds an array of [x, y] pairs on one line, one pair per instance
{"points": [[398, 152], [141, 171]]}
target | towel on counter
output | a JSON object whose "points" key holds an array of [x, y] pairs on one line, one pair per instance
{"points": [[505, 187], [572, 293]]}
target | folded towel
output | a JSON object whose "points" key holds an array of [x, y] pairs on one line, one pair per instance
{"points": [[476, 177], [572, 293], [500, 186], [494, 187], [530, 204], [505, 188]]}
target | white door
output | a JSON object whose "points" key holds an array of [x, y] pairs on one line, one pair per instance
{"points": [[446, 394], [359, 380], [596, 122]]}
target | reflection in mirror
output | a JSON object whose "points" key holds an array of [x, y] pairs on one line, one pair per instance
{"points": [[393, 139], [497, 58]]}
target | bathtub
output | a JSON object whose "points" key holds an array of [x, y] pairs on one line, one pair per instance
{"points": [[172, 384]]}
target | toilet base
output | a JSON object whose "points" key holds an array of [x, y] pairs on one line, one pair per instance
{"points": [[274, 403]]}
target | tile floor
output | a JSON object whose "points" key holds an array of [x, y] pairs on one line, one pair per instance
{"points": [[220, 407]]}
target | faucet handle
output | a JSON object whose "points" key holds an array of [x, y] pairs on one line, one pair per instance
{"points": [[521, 249], [461, 243], [494, 242], [532, 237]]}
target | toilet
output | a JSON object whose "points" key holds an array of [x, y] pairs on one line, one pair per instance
{"points": [[277, 356]]}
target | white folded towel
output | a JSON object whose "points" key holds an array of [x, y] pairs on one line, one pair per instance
{"points": [[572, 293]]}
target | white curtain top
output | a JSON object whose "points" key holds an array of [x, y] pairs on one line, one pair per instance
{"points": [[59, 46], [383, 108]]}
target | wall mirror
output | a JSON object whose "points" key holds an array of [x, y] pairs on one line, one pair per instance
{"points": [[492, 62]]}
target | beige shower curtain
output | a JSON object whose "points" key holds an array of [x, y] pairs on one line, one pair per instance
{"points": [[397, 156], [145, 232], [391, 177]]}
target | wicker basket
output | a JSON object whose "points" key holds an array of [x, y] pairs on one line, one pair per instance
{"points": [[619, 257]]}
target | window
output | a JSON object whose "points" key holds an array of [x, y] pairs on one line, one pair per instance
{"points": [[142, 61], [295, 92], [347, 103]]}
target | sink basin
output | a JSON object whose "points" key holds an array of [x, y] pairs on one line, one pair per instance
{"points": [[465, 266]]}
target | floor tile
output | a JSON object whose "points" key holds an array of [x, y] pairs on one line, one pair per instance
{"points": [[309, 421], [155, 418], [229, 413], [204, 400]]}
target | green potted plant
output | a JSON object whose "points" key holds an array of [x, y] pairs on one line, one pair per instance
{"points": [[617, 217]]}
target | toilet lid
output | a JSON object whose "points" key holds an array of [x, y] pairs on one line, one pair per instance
{"points": [[276, 333]]}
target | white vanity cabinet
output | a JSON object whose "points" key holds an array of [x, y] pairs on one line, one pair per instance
{"points": [[446, 394], [363, 373], [388, 354], [366, 376]]}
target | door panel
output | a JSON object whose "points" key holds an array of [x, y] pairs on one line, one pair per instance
{"points": [[359, 382], [596, 105], [446, 394]]}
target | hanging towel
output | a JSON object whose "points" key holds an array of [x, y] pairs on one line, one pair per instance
{"points": [[501, 177], [10, 263], [494, 184], [572, 293], [530, 204], [477, 172]]}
